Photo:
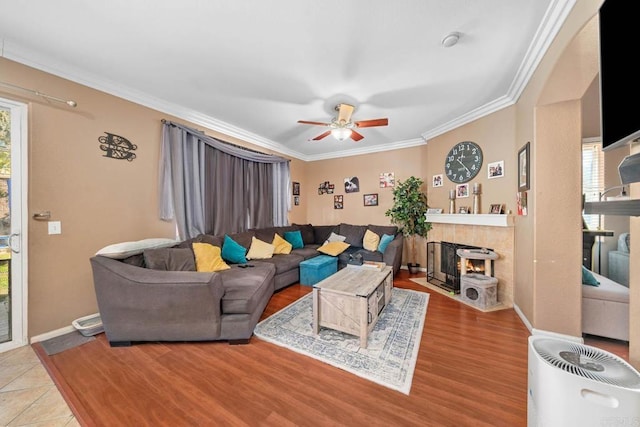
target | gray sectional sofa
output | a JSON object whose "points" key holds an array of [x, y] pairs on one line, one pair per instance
{"points": [[140, 304]]}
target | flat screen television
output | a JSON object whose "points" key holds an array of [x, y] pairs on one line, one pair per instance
{"points": [[619, 77]]}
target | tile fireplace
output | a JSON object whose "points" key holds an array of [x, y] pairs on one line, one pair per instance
{"points": [[444, 264], [494, 231]]}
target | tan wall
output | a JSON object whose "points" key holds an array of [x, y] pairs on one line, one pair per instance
{"points": [[320, 209], [98, 200], [558, 238], [557, 78], [495, 135]]}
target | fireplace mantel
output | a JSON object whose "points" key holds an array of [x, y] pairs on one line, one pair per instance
{"points": [[489, 220]]}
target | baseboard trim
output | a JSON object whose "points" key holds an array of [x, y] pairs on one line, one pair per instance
{"points": [[51, 334], [523, 317], [541, 332]]}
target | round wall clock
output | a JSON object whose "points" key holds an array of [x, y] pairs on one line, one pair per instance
{"points": [[463, 162]]}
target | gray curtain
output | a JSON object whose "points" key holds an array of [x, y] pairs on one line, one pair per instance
{"points": [[212, 187]]}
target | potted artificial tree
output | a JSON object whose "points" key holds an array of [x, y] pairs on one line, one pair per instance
{"points": [[408, 212]]}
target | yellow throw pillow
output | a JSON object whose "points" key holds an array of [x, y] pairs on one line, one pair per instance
{"points": [[260, 249], [208, 258], [281, 245], [371, 241], [333, 248]]}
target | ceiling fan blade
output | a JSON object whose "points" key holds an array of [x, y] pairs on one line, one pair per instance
{"points": [[356, 136], [344, 113], [322, 135], [305, 122], [372, 123]]}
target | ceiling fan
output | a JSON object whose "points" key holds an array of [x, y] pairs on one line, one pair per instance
{"points": [[342, 127]]}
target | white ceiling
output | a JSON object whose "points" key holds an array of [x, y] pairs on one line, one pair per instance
{"points": [[253, 68]]}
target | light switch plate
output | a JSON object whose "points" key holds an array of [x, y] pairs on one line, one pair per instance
{"points": [[55, 227]]}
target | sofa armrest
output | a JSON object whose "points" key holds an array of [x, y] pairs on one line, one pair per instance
{"points": [[140, 304], [393, 253]]}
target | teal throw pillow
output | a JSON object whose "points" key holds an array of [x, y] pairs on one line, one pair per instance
{"points": [[384, 241], [588, 278], [233, 251], [295, 238]]}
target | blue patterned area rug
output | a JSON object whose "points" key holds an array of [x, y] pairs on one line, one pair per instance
{"points": [[392, 350]]}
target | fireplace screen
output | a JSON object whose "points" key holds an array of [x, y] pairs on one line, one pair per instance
{"points": [[443, 265]]}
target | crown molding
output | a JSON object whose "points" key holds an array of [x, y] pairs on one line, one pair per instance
{"points": [[554, 18], [552, 22], [371, 149]]}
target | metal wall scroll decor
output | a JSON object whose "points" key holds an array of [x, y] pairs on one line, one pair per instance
{"points": [[117, 147]]}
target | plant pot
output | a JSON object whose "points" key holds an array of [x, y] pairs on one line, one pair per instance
{"points": [[413, 268]]}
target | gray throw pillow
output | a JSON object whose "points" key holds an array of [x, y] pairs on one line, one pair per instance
{"points": [[170, 259]]}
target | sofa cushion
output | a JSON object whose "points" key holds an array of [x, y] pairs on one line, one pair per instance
{"points": [[307, 233], [309, 251], [321, 233], [370, 240], [384, 242], [295, 238], [260, 249], [246, 288], [333, 248], [265, 234], [607, 291], [126, 249], [244, 238], [232, 251], [283, 262], [281, 246], [353, 233], [137, 260], [383, 229], [208, 258], [203, 238], [170, 259], [588, 278]]}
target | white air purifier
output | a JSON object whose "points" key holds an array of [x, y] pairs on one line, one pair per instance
{"points": [[573, 384]]}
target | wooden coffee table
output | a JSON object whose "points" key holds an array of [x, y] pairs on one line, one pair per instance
{"points": [[351, 300]]}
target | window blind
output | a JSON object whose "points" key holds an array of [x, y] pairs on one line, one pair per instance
{"points": [[592, 178]]}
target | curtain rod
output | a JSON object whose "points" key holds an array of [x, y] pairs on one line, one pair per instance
{"points": [[170, 123], [69, 102]]}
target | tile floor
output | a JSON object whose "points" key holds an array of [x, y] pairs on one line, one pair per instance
{"points": [[28, 396]]}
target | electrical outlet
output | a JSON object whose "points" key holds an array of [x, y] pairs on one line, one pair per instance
{"points": [[55, 227]]}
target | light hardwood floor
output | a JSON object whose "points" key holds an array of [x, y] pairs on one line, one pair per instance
{"points": [[471, 371]]}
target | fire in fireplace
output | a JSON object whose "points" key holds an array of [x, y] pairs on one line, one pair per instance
{"points": [[443, 265]]}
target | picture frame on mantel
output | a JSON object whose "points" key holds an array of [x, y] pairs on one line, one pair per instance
{"points": [[523, 168]]}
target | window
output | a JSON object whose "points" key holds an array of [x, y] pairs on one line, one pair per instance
{"points": [[592, 178]]}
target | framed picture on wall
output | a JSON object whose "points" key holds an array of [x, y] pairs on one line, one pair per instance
{"points": [[387, 179], [371, 199], [462, 190], [338, 202], [437, 180], [296, 188], [495, 169], [523, 168]]}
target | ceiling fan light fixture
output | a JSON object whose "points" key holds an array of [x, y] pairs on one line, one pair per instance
{"points": [[450, 39], [341, 133]]}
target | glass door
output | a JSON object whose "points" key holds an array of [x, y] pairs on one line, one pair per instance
{"points": [[12, 307]]}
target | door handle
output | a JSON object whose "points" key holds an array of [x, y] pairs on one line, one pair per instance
{"points": [[14, 249]]}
